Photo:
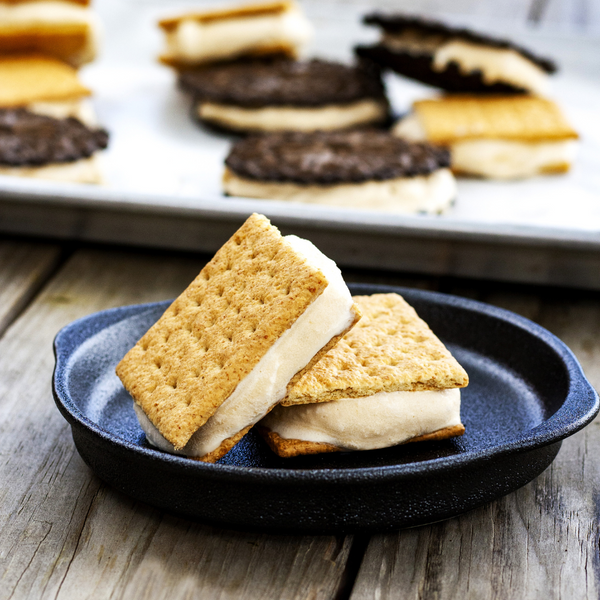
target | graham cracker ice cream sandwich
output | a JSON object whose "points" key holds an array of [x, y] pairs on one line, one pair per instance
{"points": [[66, 29], [389, 381], [262, 311], [502, 137], [279, 94], [262, 28], [455, 59], [367, 169], [48, 126]]}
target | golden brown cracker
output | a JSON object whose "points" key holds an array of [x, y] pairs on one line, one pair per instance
{"points": [[213, 335], [391, 349], [31, 78], [257, 9], [520, 118], [289, 448]]}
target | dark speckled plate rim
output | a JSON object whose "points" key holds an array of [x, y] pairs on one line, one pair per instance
{"points": [[579, 407]]}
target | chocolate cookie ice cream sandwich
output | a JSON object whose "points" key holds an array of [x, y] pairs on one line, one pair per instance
{"points": [[47, 125], [367, 169], [285, 95], [389, 381], [260, 313], [262, 28], [502, 137], [66, 29], [454, 59]]}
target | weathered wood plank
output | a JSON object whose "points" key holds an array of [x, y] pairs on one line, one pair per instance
{"points": [[63, 534], [24, 267], [539, 542]]}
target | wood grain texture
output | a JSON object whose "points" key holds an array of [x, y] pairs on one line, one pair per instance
{"points": [[24, 268], [63, 534], [539, 542]]}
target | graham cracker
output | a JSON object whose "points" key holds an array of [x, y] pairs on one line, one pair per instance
{"points": [[82, 2], [391, 349], [521, 118], [289, 448], [31, 78], [218, 329], [69, 42], [257, 9]]}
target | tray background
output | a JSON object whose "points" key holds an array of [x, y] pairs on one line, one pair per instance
{"points": [[163, 171]]}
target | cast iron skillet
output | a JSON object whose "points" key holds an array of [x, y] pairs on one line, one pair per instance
{"points": [[527, 393]]}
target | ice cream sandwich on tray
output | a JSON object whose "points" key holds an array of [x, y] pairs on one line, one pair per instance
{"points": [[279, 94], [66, 29], [258, 29], [262, 311], [455, 59], [48, 128], [389, 381], [365, 169], [502, 137]]}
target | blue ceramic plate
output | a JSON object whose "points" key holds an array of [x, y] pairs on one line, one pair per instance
{"points": [[527, 393]]}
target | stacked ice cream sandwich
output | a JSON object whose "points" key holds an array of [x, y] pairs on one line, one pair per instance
{"points": [[47, 128], [270, 320], [496, 125], [48, 125], [65, 29], [241, 66], [260, 313], [389, 381], [260, 29]]}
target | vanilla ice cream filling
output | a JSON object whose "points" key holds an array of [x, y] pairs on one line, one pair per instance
{"points": [[48, 14], [193, 40], [507, 159], [291, 118], [329, 315], [497, 65], [497, 158], [84, 170], [378, 421], [81, 109], [431, 193]]}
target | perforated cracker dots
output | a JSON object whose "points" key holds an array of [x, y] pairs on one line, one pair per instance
{"points": [[219, 329], [390, 349]]}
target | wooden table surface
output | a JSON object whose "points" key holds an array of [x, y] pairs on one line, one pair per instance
{"points": [[64, 534]]}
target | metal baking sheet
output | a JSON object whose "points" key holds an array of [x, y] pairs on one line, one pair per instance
{"points": [[163, 171]]}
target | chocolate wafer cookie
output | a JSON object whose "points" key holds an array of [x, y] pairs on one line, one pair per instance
{"points": [[361, 169], [455, 59], [280, 94]]}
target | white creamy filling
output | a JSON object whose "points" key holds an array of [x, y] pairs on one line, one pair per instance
{"points": [[80, 109], [289, 118], [410, 128], [377, 421], [431, 193], [192, 40], [85, 170], [497, 65], [329, 315], [507, 159], [497, 158], [49, 14]]}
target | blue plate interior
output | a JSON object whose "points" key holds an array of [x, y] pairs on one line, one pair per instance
{"points": [[526, 391]]}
